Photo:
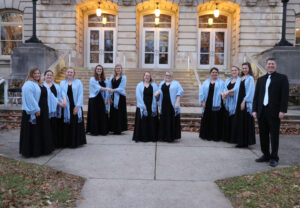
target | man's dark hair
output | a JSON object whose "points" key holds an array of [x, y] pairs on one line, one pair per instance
{"points": [[271, 59]]}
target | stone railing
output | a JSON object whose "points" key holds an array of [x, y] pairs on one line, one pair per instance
{"points": [[64, 60], [257, 69]]}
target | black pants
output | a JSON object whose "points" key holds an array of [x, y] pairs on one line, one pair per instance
{"points": [[269, 130]]}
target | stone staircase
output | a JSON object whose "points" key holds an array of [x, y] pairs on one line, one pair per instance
{"points": [[134, 76]]}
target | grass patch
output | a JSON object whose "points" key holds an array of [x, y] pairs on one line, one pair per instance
{"points": [[279, 188], [29, 185]]}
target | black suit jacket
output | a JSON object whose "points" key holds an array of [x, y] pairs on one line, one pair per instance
{"points": [[278, 94]]}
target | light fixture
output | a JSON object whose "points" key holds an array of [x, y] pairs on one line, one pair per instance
{"points": [[156, 20], [104, 20], [157, 11], [216, 11], [210, 21], [98, 11]]}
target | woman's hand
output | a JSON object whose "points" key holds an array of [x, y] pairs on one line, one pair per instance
{"points": [[75, 111], [157, 93], [38, 113], [111, 90], [243, 104], [203, 104], [103, 89], [176, 105]]}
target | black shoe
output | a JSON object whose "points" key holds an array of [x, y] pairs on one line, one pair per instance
{"points": [[273, 163], [262, 159]]}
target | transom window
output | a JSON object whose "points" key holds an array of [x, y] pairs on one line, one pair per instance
{"points": [[298, 30], [105, 20], [164, 21], [220, 22], [11, 30]]}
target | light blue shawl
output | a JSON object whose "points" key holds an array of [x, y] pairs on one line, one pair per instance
{"points": [[95, 88], [140, 99], [31, 93], [119, 90], [231, 101], [77, 90], [174, 90], [250, 89], [52, 101], [219, 88]]}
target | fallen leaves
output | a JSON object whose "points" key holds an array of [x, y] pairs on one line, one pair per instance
{"points": [[30, 185]]}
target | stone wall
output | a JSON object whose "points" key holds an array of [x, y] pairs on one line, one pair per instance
{"points": [[255, 27]]}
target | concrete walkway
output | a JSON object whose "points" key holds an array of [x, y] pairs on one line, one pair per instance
{"points": [[123, 174]]}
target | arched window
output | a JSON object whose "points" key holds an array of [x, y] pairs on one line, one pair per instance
{"points": [[298, 30], [105, 20], [11, 30], [220, 22]]}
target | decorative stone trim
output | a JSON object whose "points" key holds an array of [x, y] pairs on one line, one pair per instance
{"points": [[188, 2], [127, 2], [45, 1], [273, 3], [251, 2]]}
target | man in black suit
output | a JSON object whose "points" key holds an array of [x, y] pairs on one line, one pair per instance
{"points": [[269, 107]]}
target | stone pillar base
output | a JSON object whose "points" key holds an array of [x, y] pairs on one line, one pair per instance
{"points": [[29, 55]]}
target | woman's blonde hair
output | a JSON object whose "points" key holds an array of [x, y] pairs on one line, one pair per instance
{"points": [[118, 65], [72, 69], [30, 75]]}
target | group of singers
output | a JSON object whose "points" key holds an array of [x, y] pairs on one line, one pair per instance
{"points": [[53, 116]]}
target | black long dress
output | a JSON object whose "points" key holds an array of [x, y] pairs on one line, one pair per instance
{"points": [[118, 117], [211, 122], [146, 128], [243, 123], [57, 126], [74, 133], [36, 139], [169, 124], [227, 121], [97, 118]]}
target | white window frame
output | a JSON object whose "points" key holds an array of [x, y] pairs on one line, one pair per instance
{"points": [[11, 24], [87, 38], [171, 43], [227, 49]]}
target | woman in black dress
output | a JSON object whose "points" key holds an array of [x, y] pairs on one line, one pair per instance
{"points": [[97, 118], [35, 135], [210, 98], [118, 111], [230, 99], [243, 122], [170, 92], [72, 91], [55, 105], [146, 117]]}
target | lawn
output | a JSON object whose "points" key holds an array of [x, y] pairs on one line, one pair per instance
{"points": [[30, 185], [279, 188]]}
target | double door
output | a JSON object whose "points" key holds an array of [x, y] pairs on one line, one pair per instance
{"points": [[212, 48], [156, 48], [101, 47]]}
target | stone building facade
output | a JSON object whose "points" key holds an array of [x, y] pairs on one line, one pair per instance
{"points": [[126, 31]]}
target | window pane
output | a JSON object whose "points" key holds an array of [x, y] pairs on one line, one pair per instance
{"points": [[220, 22], [94, 40], [163, 58], [149, 41], [205, 42], [219, 59], [95, 21], [94, 57], [108, 58], [11, 17], [11, 33], [204, 59], [149, 58], [164, 21], [163, 41], [298, 36], [219, 42], [8, 46], [108, 40]]}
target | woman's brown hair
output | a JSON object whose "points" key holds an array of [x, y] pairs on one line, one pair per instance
{"points": [[118, 65], [249, 67], [150, 76], [30, 75], [102, 75]]}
